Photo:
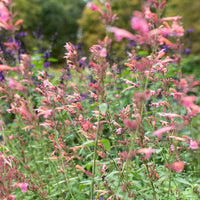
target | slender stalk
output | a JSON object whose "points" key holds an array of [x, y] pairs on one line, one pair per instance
{"points": [[94, 159], [152, 185]]}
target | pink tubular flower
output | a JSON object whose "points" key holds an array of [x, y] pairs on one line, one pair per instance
{"points": [[139, 24], [4, 13], [176, 166], [5, 67], [121, 33], [159, 132], [132, 125], [22, 186], [103, 53], [188, 102], [194, 144], [147, 152], [171, 18], [12, 197], [177, 29], [94, 7]]}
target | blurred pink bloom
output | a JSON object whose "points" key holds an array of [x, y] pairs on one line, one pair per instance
{"points": [[165, 41], [22, 186], [44, 111], [147, 12], [132, 125], [177, 138], [177, 30], [170, 115], [86, 126], [121, 33], [6, 67], [188, 102], [171, 18], [147, 152], [119, 131], [139, 24], [159, 132], [194, 144], [6, 1], [177, 166], [103, 52], [12, 197], [94, 7], [4, 13], [13, 83]]}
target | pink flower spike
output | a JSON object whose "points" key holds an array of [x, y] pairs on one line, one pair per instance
{"points": [[103, 52], [4, 13], [121, 33], [94, 7], [6, 67], [171, 18], [139, 24], [194, 144], [12, 197], [23, 187], [177, 166], [147, 152], [159, 132]]}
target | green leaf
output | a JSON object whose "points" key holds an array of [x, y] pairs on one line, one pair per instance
{"points": [[53, 59], [103, 108], [81, 187], [181, 180], [106, 144]]}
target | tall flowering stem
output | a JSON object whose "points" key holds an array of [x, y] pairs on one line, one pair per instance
{"points": [[99, 66], [7, 23]]}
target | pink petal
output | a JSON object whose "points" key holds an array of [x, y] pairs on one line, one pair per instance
{"points": [[121, 33], [4, 13], [178, 166], [103, 52], [139, 24], [159, 132], [147, 152], [12, 197], [24, 187], [194, 144]]}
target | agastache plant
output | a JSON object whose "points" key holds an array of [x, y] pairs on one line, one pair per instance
{"points": [[102, 133]]}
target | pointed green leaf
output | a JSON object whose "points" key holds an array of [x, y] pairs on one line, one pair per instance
{"points": [[181, 180], [103, 108], [106, 144]]}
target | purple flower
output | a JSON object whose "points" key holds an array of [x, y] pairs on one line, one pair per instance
{"points": [[165, 48], [1, 76], [131, 44], [190, 30], [83, 96], [187, 52], [46, 65]]}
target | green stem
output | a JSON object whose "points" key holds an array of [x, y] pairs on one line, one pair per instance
{"points": [[152, 186], [94, 159]]}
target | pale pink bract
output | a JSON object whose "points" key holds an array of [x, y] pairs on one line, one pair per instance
{"points": [[121, 33], [4, 13]]}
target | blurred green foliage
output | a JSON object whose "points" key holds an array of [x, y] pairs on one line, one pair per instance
{"points": [[73, 21], [189, 10], [93, 29], [54, 16]]}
